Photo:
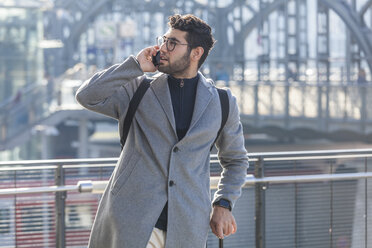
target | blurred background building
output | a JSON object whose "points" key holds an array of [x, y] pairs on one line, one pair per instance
{"points": [[21, 58], [300, 69]]}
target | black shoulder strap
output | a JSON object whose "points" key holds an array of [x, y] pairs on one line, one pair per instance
{"points": [[133, 105], [140, 92], [225, 106]]}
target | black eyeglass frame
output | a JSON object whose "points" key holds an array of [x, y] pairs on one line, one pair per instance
{"points": [[160, 40]]}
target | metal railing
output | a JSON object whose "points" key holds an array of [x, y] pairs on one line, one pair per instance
{"points": [[98, 187], [298, 199]]}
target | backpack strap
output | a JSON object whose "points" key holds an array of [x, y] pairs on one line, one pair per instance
{"points": [[140, 92], [133, 105], [225, 107]]}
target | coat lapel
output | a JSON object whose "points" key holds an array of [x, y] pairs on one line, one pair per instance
{"points": [[162, 93], [202, 99]]}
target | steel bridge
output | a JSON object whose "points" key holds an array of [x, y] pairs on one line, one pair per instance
{"points": [[233, 23], [283, 88]]}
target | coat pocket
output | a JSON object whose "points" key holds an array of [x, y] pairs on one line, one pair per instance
{"points": [[124, 173]]}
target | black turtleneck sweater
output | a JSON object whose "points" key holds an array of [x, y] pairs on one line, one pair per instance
{"points": [[183, 92]]}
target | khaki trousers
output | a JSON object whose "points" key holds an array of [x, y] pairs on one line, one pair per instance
{"points": [[157, 239]]}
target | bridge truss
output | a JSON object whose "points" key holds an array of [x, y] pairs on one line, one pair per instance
{"points": [[280, 78], [277, 32]]}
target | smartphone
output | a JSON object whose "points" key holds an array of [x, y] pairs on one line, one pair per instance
{"points": [[156, 59]]}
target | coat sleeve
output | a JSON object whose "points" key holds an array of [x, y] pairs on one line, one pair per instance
{"points": [[232, 155], [108, 92]]}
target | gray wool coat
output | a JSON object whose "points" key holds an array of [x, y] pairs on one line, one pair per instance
{"points": [[152, 157]]}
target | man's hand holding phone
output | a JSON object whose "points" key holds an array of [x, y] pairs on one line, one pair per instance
{"points": [[145, 58]]}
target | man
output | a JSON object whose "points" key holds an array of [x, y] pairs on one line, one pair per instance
{"points": [[159, 193]]}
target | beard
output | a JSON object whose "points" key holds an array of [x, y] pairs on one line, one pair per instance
{"points": [[177, 67]]}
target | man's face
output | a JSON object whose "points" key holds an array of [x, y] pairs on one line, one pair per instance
{"points": [[177, 61]]}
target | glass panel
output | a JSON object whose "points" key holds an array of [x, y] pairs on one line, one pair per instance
{"points": [[21, 56]]}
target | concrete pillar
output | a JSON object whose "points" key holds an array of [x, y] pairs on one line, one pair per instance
{"points": [[45, 152], [83, 143], [83, 138]]}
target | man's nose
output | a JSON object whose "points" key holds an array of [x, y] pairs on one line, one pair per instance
{"points": [[163, 47]]}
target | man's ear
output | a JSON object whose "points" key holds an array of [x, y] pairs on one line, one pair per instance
{"points": [[196, 53]]}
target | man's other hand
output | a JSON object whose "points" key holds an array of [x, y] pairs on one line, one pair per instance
{"points": [[144, 58], [222, 222]]}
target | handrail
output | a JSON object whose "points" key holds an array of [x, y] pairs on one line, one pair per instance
{"points": [[37, 190], [97, 187], [267, 156], [61, 161]]}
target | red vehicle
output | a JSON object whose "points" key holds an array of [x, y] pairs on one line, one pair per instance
{"points": [[30, 220]]}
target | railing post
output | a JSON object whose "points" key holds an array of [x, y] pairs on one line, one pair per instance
{"points": [[320, 107], [256, 111], [327, 113], [287, 111], [363, 107], [60, 208], [260, 205], [3, 130]]}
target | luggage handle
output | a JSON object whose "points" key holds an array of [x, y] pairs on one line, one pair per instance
{"points": [[220, 245]]}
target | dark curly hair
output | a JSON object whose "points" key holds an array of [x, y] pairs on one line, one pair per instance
{"points": [[199, 33]]}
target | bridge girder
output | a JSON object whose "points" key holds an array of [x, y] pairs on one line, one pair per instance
{"points": [[252, 23], [361, 33], [88, 12], [364, 8]]}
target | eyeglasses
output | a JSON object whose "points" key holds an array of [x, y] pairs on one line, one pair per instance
{"points": [[170, 43]]}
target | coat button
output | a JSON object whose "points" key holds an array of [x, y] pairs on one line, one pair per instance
{"points": [[171, 183], [176, 149]]}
